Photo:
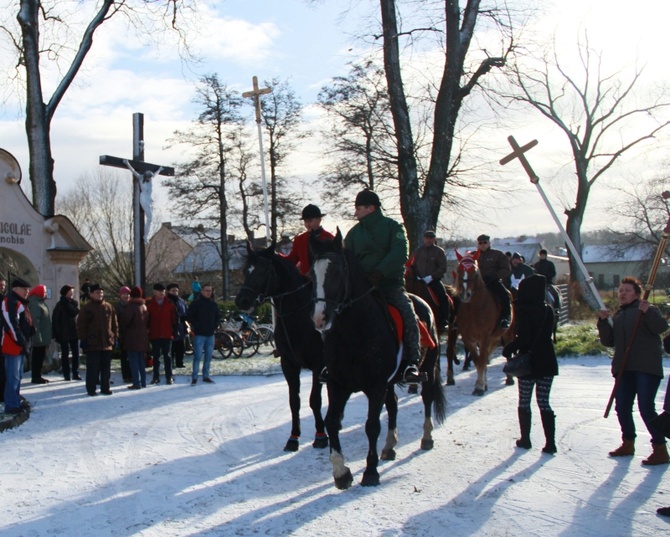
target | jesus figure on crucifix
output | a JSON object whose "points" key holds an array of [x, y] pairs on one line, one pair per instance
{"points": [[146, 186]]}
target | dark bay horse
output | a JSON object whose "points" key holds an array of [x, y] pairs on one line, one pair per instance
{"points": [[268, 276], [419, 288], [478, 317], [361, 353]]}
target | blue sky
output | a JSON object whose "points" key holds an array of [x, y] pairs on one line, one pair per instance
{"points": [[308, 43]]}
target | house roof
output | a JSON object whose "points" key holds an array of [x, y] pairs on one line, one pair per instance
{"points": [[206, 257], [616, 253]]}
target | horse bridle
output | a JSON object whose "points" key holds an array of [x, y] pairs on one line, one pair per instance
{"points": [[469, 267], [340, 304], [272, 281]]}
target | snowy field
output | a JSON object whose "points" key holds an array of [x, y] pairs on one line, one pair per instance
{"points": [[208, 460]]}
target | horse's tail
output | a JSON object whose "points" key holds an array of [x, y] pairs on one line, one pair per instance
{"points": [[439, 400]]}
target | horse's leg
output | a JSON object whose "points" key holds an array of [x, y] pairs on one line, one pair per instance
{"points": [[480, 362], [452, 336], [372, 429], [320, 437], [292, 375], [337, 400], [388, 451]]}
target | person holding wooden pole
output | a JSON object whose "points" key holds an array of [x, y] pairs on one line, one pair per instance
{"points": [[637, 365]]}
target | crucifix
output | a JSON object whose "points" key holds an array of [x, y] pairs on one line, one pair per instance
{"points": [[255, 94], [143, 174], [519, 152]]}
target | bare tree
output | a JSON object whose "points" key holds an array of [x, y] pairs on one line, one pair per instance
{"points": [[100, 207], [358, 135], [201, 188], [422, 187], [281, 114], [600, 115], [33, 45]]}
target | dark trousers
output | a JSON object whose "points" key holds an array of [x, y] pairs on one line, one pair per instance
{"points": [[67, 347], [502, 297], [3, 378], [442, 299], [37, 363], [125, 367], [98, 364], [161, 347], [178, 350], [645, 386]]}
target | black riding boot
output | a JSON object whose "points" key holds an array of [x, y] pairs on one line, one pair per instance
{"points": [[524, 426], [549, 426]]}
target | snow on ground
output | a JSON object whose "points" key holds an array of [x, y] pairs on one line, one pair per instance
{"points": [[208, 460]]}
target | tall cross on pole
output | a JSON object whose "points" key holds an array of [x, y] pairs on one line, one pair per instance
{"points": [[255, 94], [519, 152], [143, 172]]}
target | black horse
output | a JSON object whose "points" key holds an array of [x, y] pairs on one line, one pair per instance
{"points": [[268, 276], [361, 353]]}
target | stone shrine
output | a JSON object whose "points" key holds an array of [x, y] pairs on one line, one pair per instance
{"points": [[37, 248]]}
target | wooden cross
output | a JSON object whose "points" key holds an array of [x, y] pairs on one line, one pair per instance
{"points": [[519, 153], [255, 94], [140, 167]]}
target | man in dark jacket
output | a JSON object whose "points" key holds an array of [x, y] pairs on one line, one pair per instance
{"points": [[97, 330], [204, 317], [494, 266], [64, 329], [16, 334], [380, 244]]}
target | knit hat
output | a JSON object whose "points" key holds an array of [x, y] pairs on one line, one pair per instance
{"points": [[40, 291], [367, 197], [172, 286], [136, 292], [159, 287], [125, 290], [65, 290], [516, 255]]}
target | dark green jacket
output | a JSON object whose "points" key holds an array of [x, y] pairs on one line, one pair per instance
{"points": [[380, 243]]}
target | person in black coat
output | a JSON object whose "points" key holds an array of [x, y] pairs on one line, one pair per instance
{"points": [[534, 326], [64, 331]]}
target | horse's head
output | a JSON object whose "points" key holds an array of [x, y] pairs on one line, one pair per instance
{"points": [[467, 275], [330, 278], [260, 278]]}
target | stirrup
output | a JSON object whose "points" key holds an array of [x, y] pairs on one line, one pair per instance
{"points": [[323, 376], [412, 375]]}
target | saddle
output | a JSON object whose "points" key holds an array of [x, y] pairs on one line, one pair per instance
{"points": [[425, 338]]}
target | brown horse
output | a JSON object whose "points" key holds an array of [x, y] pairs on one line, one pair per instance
{"points": [[478, 317], [419, 288]]}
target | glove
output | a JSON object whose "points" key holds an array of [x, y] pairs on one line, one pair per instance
{"points": [[428, 279], [375, 278]]}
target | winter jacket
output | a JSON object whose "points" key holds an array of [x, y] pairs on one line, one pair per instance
{"points": [[299, 254], [517, 274], [204, 316], [493, 265], [180, 306], [17, 328], [646, 352], [429, 261], [39, 311], [64, 320], [97, 328], [135, 326], [547, 269], [162, 319], [380, 245], [534, 323], [121, 309]]}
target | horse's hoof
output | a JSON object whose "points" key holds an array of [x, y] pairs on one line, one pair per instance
{"points": [[466, 368], [320, 442], [451, 382], [388, 454], [412, 389], [370, 480], [457, 361], [427, 444], [509, 381], [292, 445], [478, 391], [345, 481]]}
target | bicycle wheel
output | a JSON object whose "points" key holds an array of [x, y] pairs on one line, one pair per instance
{"points": [[237, 344], [251, 340], [223, 343], [267, 335]]}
